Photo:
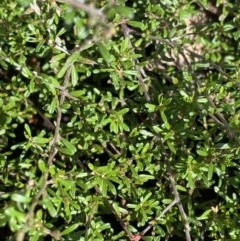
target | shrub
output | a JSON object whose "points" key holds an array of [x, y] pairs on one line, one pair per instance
{"points": [[113, 125]]}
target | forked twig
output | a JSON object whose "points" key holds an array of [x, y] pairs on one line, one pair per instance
{"points": [[166, 209]]}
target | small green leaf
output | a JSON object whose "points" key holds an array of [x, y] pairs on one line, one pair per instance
{"points": [[74, 76], [222, 146], [61, 32], [146, 133], [147, 197], [125, 45], [123, 126], [57, 58], [202, 153], [69, 145], [36, 236], [166, 201], [174, 80], [202, 65], [62, 71], [183, 93], [130, 72], [66, 151], [190, 180], [164, 117], [26, 72], [40, 140], [129, 205], [118, 236], [77, 93], [105, 53], [138, 42], [66, 183], [136, 24], [144, 178], [32, 86], [90, 166], [20, 198], [65, 106], [205, 215], [114, 127], [52, 170], [171, 147], [145, 148], [202, 100], [123, 111], [42, 165], [52, 107], [150, 107], [72, 58], [10, 105], [210, 171], [157, 129], [181, 188], [111, 187], [70, 229], [102, 186], [51, 209], [28, 130]]}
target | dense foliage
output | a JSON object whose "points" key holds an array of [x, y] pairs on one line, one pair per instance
{"points": [[119, 120]]}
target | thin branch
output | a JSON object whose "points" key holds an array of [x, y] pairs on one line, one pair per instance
{"points": [[48, 122], [224, 123], [164, 154], [20, 235], [166, 209], [115, 149]]}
